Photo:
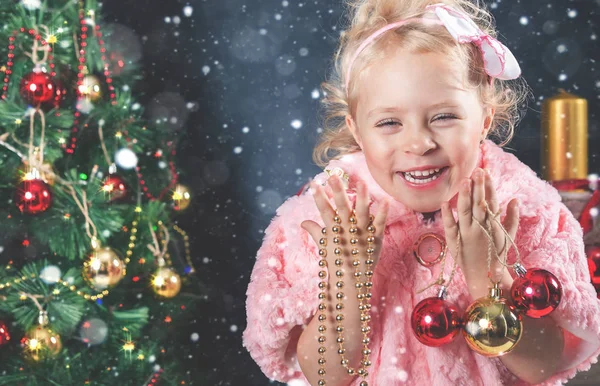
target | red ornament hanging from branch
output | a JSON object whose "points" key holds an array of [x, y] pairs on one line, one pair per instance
{"points": [[37, 88], [34, 86], [33, 196]]}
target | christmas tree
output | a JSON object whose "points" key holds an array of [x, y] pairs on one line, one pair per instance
{"points": [[92, 259]]}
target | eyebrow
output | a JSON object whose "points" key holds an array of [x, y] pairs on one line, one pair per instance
{"points": [[393, 109]]}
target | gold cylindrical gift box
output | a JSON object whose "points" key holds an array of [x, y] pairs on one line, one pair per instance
{"points": [[564, 137]]}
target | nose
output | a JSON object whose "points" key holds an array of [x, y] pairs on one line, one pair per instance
{"points": [[418, 140]]}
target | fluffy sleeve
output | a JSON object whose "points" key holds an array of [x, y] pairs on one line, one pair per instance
{"points": [[557, 245], [282, 295]]}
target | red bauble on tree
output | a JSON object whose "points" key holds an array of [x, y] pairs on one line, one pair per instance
{"points": [[535, 292], [58, 96], [436, 322], [33, 196], [37, 87], [4, 335], [114, 187]]}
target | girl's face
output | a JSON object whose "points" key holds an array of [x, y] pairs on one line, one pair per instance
{"points": [[412, 113]]}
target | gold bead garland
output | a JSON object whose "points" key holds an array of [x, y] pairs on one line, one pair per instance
{"points": [[186, 244], [70, 286], [364, 298], [322, 306]]}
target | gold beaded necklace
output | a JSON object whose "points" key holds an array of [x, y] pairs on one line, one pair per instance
{"points": [[364, 299]]}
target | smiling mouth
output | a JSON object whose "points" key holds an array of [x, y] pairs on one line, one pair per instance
{"points": [[422, 179]]}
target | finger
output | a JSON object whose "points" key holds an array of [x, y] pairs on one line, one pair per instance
{"points": [[490, 192], [313, 229], [381, 216], [479, 203], [465, 212], [340, 197], [362, 204], [450, 225], [511, 222], [323, 204]]}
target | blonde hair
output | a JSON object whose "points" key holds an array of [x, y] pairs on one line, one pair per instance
{"points": [[367, 16]]}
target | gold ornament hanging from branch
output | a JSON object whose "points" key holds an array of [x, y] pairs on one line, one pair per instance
{"points": [[166, 282], [181, 197], [41, 343], [90, 88], [104, 268]]}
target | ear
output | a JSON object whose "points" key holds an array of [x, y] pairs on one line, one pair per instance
{"points": [[353, 129], [487, 121]]}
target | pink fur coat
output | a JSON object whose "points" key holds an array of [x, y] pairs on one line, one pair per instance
{"points": [[282, 295]]}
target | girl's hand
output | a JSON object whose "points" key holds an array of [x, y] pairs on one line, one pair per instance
{"points": [[475, 194], [343, 205]]}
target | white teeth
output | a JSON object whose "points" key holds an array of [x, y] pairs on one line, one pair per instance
{"points": [[423, 173], [409, 177]]}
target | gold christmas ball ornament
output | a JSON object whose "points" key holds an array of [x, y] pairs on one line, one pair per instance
{"points": [[181, 197], [41, 343], [491, 326], [166, 282], [90, 88], [104, 268]]}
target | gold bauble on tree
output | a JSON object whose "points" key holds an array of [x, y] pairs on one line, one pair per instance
{"points": [[41, 343], [181, 197], [166, 282], [90, 88], [491, 326], [104, 268]]}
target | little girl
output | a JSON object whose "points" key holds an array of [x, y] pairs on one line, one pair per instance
{"points": [[417, 196]]}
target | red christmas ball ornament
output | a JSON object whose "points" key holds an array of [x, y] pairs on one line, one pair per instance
{"points": [[593, 258], [59, 95], [33, 196], [114, 187], [37, 87], [436, 322], [535, 292], [4, 335]]}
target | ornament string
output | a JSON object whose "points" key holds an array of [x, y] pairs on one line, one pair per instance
{"points": [[35, 47], [102, 143], [488, 230], [11, 147], [32, 159], [84, 210], [33, 299], [156, 249]]}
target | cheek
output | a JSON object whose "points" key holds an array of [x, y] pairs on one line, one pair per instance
{"points": [[378, 150]]}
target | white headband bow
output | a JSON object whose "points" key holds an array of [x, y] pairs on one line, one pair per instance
{"points": [[499, 62]]}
